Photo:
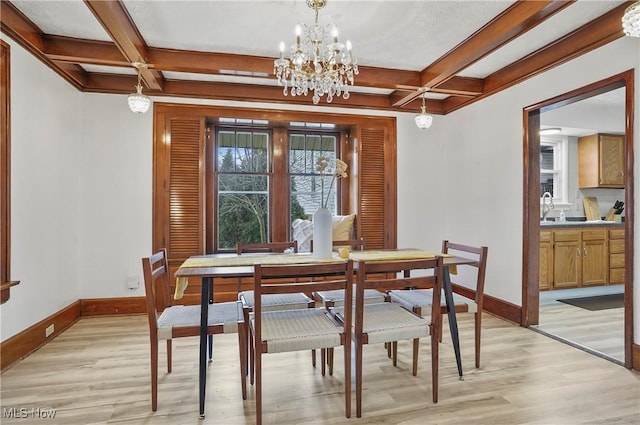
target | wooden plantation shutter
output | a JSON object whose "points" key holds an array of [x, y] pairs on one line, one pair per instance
{"points": [[179, 193], [377, 187]]}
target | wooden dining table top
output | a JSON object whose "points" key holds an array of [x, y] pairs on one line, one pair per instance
{"points": [[234, 265]]}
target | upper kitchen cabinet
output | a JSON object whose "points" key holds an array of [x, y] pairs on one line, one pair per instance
{"points": [[601, 161]]}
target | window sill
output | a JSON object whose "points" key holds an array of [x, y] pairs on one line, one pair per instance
{"points": [[5, 289]]}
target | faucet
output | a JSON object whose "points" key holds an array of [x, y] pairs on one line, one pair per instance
{"points": [[546, 207]]}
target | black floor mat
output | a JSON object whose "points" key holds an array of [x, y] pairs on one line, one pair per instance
{"points": [[598, 302]]}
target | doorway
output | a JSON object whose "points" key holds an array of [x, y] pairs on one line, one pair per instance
{"points": [[531, 219]]}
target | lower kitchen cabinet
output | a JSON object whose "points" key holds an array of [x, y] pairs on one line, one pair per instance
{"points": [[574, 257], [546, 260], [595, 257], [616, 256]]}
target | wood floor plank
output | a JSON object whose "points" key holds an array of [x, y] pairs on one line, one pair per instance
{"points": [[601, 331], [97, 372]]}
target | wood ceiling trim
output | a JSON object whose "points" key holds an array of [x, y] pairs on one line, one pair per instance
{"points": [[596, 33], [122, 84], [62, 54], [75, 50], [513, 22], [223, 63], [14, 23], [463, 86], [74, 71], [115, 19], [20, 28]]}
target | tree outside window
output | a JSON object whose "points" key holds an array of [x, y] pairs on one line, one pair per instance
{"points": [[245, 176], [243, 165]]}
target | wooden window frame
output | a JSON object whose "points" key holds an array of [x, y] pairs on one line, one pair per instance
{"points": [[5, 174], [183, 139], [211, 163], [279, 178]]}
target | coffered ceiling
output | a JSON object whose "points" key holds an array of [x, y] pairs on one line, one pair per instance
{"points": [[460, 51]]}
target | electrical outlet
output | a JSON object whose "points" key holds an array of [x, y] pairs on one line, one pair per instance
{"points": [[49, 330], [133, 281]]}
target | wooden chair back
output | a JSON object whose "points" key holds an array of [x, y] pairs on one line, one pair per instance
{"points": [[480, 254], [156, 286], [266, 247], [306, 278], [385, 275]]}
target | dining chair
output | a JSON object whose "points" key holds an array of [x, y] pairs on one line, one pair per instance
{"points": [[330, 299], [390, 322], [418, 300], [276, 331], [270, 302], [176, 321]]}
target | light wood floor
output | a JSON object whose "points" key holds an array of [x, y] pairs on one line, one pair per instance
{"points": [[97, 372], [600, 332]]}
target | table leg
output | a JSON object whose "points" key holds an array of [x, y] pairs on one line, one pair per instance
{"points": [[451, 314], [204, 314]]}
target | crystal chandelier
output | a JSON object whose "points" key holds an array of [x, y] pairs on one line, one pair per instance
{"points": [[318, 62], [139, 102], [423, 120], [631, 20]]}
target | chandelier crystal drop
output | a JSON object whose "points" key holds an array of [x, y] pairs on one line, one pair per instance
{"points": [[631, 20], [318, 62], [138, 102], [423, 120]]}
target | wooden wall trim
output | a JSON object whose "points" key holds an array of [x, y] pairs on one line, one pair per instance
{"points": [[32, 338], [21, 345], [109, 306], [500, 308], [635, 349]]}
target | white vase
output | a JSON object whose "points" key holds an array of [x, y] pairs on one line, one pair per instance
{"points": [[322, 233]]}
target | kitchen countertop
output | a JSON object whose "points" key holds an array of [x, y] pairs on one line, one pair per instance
{"points": [[595, 223]]}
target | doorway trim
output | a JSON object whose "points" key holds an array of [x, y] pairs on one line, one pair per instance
{"points": [[531, 199]]}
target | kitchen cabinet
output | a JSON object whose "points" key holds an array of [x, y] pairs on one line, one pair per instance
{"points": [[595, 261], [601, 161], [567, 255], [616, 256], [546, 260], [578, 257]]}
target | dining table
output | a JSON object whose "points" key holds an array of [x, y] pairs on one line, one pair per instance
{"points": [[228, 265]]}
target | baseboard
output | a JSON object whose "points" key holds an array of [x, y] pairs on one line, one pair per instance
{"points": [[26, 342], [34, 337], [635, 357], [495, 306], [110, 306]]}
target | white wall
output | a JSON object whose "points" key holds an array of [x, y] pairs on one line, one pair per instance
{"points": [[450, 184], [46, 157], [488, 193], [115, 196]]}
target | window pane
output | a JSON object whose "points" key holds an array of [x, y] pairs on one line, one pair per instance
{"points": [[297, 154], [226, 150], [243, 187], [260, 152], [243, 210], [309, 189], [305, 199], [548, 173]]}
